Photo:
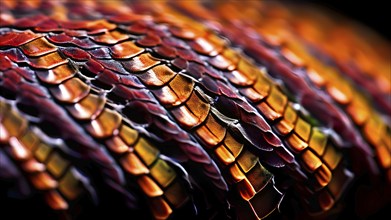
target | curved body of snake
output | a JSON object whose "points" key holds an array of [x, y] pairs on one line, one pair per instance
{"points": [[196, 110]]}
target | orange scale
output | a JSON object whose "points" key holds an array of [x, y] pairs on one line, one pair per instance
{"points": [[88, 108], [277, 100], [167, 96], [4, 135], [296, 143], [14, 125], [232, 56], [222, 63], [70, 185], [332, 156], [140, 63], [98, 26], [112, 37], [251, 94], [246, 190], [263, 86], [47, 61], [105, 125], [57, 75], [316, 77], [284, 127], [160, 208], [43, 181], [323, 176], [128, 135], [198, 107], [148, 153], [187, 33], [125, 50], [233, 145], [216, 129], [303, 129], [117, 145], [71, 91], [248, 70], [292, 57], [56, 201], [358, 110], [182, 86], [238, 78], [311, 161], [33, 166], [340, 91], [209, 45], [185, 117], [57, 165], [268, 112], [132, 164], [38, 47], [149, 187], [374, 129], [207, 136], [17, 150], [41, 153], [236, 173], [247, 160], [224, 155], [163, 173], [384, 156], [157, 76], [177, 92], [318, 141]]}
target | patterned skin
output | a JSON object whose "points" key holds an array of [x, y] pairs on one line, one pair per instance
{"points": [[173, 110]]}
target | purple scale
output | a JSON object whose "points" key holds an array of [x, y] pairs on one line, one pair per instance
{"points": [[60, 39], [166, 52], [114, 66], [15, 39], [172, 42], [100, 53], [188, 55], [15, 55], [180, 63], [75, 53], [26, 73], [149, 41], [5, 62], [48, 25], [131, 80], [33, 89], [138, 28], [108, 77], [93, 67], [30, 22]]}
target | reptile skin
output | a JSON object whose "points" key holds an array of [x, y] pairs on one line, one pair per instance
{"points": [[191, 110]]}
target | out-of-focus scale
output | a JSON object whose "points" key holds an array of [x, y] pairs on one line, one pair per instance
{"points": [[200, 110]]}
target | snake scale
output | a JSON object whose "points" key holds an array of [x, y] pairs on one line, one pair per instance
{"points": [[191, 110]]}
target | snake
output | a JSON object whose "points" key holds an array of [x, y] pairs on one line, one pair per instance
{"points": [[191, 110]]}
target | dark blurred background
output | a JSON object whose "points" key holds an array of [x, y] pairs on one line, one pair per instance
{"points": [[374, 14]]}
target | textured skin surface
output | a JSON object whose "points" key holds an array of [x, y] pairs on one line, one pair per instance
{"points": [[172, 110]]}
